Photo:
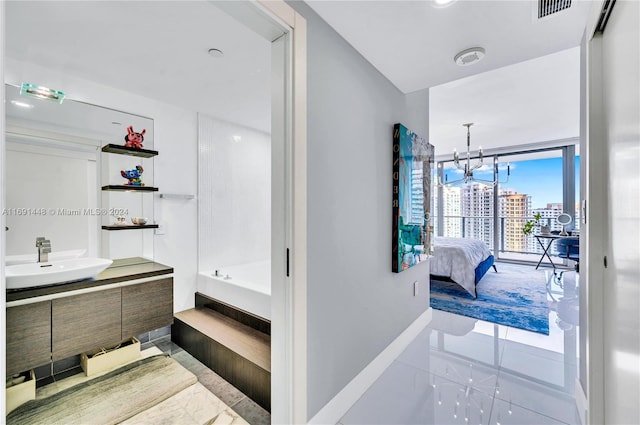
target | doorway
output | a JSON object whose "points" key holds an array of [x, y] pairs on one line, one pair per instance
{"points": [[289, 258]]}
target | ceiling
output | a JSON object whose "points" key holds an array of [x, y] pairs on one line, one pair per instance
{"points": [[155, 49], [413, 43], [527, 103], [524, 91], [158, 49]]}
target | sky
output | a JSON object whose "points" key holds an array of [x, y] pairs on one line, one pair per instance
{"points": [[539, 178]]}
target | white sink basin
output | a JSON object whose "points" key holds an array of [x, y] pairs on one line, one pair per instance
{"points": [[11, 260], [40, 274]]}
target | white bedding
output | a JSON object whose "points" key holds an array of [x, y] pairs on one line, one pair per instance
{"points": [[457, 258]]}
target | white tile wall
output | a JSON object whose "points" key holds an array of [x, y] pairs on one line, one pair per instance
{"points": [[234, 194]]}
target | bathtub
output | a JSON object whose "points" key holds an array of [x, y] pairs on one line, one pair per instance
{"points": [[247, 287]]}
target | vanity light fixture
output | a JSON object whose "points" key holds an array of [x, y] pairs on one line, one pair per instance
{"points": [[41, 92], [22, 104]]}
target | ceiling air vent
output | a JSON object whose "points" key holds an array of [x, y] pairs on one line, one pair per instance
{"points": [[549, 7]]}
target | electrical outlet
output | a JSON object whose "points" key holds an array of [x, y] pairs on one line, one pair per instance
{"points": [[416, 285]]}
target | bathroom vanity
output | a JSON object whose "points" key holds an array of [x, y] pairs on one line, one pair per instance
{"points": [[51, 323]]}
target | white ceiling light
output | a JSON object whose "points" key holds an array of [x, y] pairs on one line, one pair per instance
{"points": [[443, 3], [469, 56], [216, 53]]}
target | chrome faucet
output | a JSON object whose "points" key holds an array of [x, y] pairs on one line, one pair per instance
{"points": [[44, 248]]}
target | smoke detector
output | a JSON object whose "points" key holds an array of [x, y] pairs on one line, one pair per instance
{"points": [[469, 56], [216, 53]]}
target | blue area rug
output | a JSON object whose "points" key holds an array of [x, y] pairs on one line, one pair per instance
{"points": [[515, 296]]}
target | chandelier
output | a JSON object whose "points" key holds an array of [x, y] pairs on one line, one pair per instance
{"points": [[468, 169]]}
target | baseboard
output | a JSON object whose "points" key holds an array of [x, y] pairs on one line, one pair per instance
{"points": [[338, 406], [581, 402]]}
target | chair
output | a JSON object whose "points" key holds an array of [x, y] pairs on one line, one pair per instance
{"points": [[569, 248]]}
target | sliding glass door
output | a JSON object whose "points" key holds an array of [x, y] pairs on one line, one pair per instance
{"points": [[540, 182], [535, 187]]}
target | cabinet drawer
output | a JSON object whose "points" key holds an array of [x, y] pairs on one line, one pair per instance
{"points": [[147, 306], [85, 322], [28, 336]]}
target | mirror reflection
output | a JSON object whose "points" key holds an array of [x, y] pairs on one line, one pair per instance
{"points": [[55, 170]]}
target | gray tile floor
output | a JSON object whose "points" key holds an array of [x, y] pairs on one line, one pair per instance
{"points": [[230, 395]]}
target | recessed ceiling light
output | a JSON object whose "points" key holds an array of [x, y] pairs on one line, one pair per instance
{"points": [[237, 138], [216, 53], [469, 56], [443, 3], [22, 104]]}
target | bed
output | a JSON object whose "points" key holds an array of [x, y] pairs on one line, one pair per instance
{"points": [[462, 260]]}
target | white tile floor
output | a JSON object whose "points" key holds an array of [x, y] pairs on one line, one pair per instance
{"points": [[461, 370]]}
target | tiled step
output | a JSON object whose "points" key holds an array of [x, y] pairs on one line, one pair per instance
{"points": [[238, 353], [256, 322]]}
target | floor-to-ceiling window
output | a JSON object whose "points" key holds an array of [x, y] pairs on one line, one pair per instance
{"points": [[535, 189], [527, 184], [466, 209]]}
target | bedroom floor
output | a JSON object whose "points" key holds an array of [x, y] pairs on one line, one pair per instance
{"points": [[460, 370]]}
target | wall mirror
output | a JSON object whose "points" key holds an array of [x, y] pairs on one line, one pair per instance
{"points": [[54, 173]]}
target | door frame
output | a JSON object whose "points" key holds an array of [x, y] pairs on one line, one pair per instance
{"points": [[3, 298], [289, 296], [593, 241], [291, 376]]}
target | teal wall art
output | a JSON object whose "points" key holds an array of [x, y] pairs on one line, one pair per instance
{"points": [[412, 173]]}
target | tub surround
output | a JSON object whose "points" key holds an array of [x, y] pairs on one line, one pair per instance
{"points": [[235, 313], [122, 270], [244, 286]]}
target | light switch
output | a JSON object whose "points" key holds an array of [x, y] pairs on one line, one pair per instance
{"points": [[159, 230]]}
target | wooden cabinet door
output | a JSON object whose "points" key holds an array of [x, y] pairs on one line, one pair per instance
{"points": [[28, 336], [147, 306], [83, 322]]}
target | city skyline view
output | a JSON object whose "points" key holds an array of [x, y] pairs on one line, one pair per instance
{"points": [[541, 179], [535, 186]]}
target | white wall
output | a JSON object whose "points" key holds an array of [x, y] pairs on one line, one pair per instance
{"points": [[234, 194], [356, 305], [175, 167]]}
